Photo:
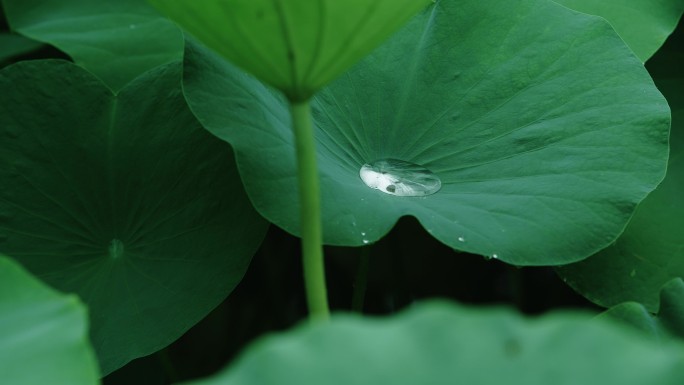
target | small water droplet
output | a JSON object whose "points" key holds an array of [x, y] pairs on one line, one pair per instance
{"points": [[400, 178], [495, 256], [632, 273], [363, 234], [366, 241], [461, 239]]}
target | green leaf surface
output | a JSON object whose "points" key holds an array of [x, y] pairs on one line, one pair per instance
{"points": [[439, 343], [651, 250], [297, 46], [117, 40], [43, 333], [543, 127], [669, 321], [125, 200], [643, 24], [14, 45]]}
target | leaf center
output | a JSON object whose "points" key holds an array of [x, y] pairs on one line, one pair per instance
{"points": [[116, 249]]}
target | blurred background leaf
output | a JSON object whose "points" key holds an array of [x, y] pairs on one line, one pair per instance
{"points": [[43, 333]]}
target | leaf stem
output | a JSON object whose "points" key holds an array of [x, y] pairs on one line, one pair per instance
{"points": [[310, 212]]}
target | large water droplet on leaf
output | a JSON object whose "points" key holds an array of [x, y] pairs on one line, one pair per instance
{"points": [[400, 178]]}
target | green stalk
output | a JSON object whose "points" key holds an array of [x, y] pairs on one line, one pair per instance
{"points": [[310, 212]]}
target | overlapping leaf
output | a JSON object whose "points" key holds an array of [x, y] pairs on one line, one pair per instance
{"points": [[43, 334], [440, 344], [643, 24], [544, 128], [297, 46], [670, 319], [15, 45], [651, 250], [117, 40], [125, 200]]}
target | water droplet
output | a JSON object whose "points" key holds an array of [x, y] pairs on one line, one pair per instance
{"points": [[116, 249], [632, 273], [461, 239], [363, 234], [366, 241], [495, 256], [396, 177]]}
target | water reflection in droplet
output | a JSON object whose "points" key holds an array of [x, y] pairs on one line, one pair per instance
{"points": [[400, 178]]}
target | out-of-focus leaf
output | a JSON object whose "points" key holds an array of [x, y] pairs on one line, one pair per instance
{"points": [[297, 46], [445, 344], [43, 333]]}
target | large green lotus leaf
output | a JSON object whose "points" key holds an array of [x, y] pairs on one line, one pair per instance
{"points": [[297, 46], [643, 24], [669, 321], [439, 343], [651, 250], [43, 333], [544, 128], [117, 40], [125, 200]]}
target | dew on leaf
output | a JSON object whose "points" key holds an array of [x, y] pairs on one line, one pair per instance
{"points": [[400, 178]]}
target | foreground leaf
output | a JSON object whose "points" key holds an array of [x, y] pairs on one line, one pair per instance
{"points": [[440, 343], [117, 40], [669, 321], [651, 250], [43, 334], [544, 130], [297, 46], [643, 24], [124, 200]]}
